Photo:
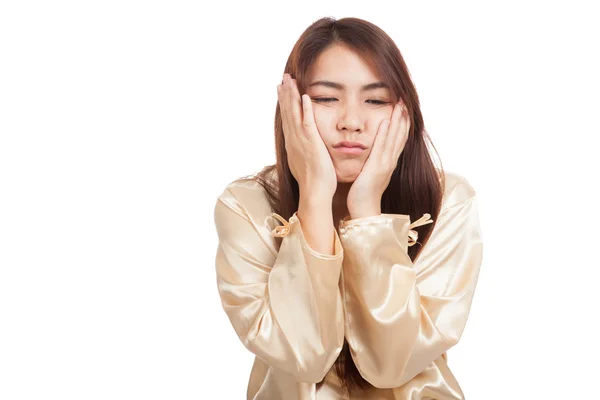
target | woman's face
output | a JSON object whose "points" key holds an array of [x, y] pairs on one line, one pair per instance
{"points": [[343, 109]]}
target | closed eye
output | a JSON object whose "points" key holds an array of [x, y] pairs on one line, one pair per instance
{"points": [[330, 99]]}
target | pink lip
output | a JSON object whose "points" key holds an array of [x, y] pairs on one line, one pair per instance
{"points": [[350, 150]]}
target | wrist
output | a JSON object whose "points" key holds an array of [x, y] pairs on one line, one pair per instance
{"points": [[315, 205], [365, 211], [316, 199]]}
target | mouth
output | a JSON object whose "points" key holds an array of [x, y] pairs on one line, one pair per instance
{"points": [[349, 147], [349, 150]]}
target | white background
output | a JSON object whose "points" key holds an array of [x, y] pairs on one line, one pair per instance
{"points": [[122, 121]]}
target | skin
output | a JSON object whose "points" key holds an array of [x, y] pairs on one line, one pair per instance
{"points": [[370, 117]]}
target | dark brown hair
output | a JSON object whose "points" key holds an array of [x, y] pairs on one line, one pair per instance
{"points": [[416, 185]]}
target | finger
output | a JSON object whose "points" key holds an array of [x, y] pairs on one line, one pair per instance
{"points": [[390, 146], [295, 106], [280, 99], [403, 131], [392, 126], [284, 110], [395, 120], [308, 118], [378, 145]]}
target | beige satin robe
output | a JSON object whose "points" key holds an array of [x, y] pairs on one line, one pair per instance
{"points": [[292, 306]]}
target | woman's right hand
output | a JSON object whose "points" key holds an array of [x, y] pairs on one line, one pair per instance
{"points": [[308, 158]]}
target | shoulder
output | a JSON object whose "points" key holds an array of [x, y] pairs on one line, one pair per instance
{"points": [[457, 189], [240, 191], [247, 198], [242, 213]]}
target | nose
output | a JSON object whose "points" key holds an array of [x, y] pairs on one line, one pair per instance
{"points": [[350, 118]]}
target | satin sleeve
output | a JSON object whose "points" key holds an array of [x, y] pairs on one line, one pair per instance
{"points": [[402, 316], [285, 307]]}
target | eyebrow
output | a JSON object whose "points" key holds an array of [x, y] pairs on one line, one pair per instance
{"points": [[339, 86]]}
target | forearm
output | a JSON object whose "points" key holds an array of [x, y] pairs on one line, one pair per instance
{"points": [[316, 218]]}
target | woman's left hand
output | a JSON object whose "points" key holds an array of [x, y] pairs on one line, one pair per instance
{"points": [[364, 196]]}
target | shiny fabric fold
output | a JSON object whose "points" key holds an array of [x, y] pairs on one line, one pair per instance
{"points": [[292, 306], [401, 317], [286, 307]]}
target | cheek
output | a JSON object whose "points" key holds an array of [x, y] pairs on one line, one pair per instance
{"points": [[374, 125], [325, 125], [322, 117]]}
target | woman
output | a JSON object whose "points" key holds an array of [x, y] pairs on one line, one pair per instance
{"points": [[341, 301]]}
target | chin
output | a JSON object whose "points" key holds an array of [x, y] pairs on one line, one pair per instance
{"points": [[345, 180], [347, 176], [348, 170]]}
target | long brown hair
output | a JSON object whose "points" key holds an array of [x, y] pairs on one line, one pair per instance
{"points": [[416, 185]]}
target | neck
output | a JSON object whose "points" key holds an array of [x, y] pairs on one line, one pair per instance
{"points": [[340, 208]]}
